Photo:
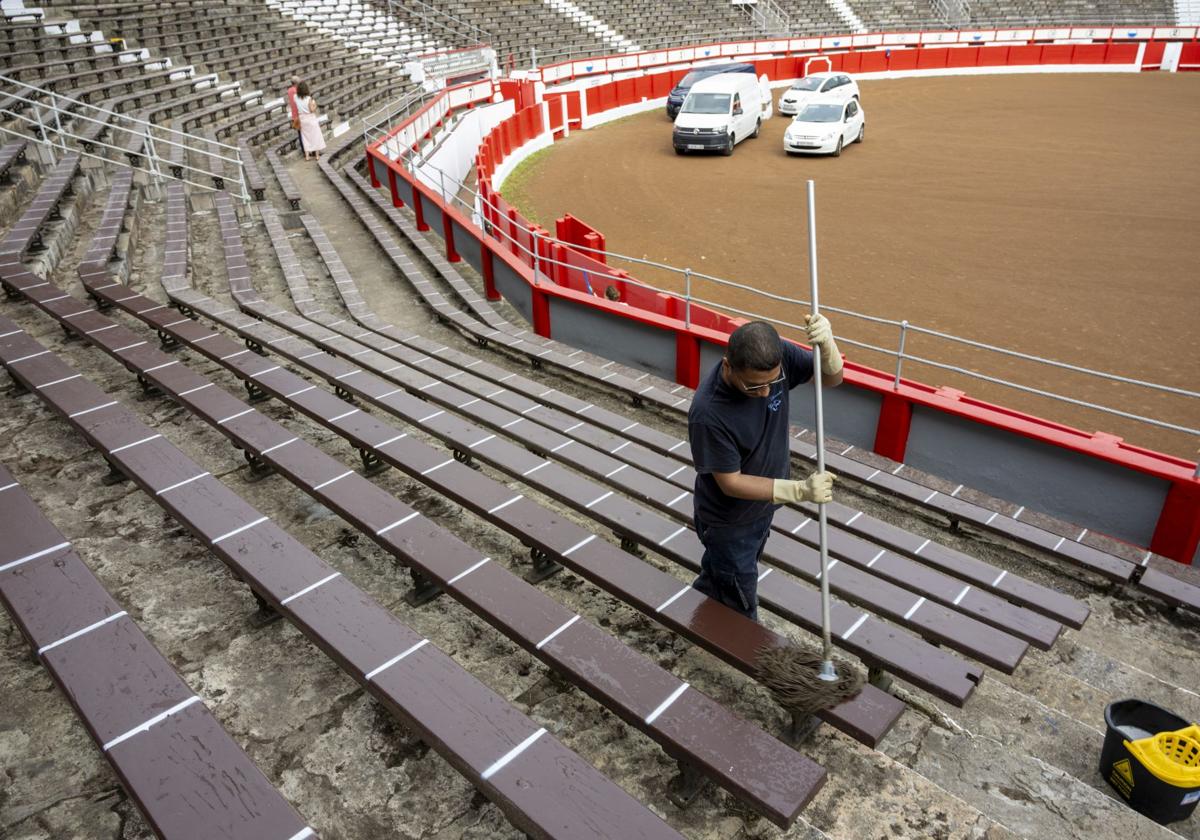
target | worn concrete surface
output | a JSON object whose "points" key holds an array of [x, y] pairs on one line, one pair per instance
{"points": [[1018, 760]]}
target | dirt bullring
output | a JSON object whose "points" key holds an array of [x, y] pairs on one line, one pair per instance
{"points": [[1050, 214]]}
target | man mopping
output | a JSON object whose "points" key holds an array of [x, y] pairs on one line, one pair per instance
{"points": [[738, 429]]}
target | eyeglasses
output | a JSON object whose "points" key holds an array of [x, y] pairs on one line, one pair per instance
{"points": [[758, 389]]}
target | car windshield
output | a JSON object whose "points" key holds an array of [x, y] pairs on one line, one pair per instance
{"points": [[693, 77], [811, 83], [820, 113], [706, 103]]}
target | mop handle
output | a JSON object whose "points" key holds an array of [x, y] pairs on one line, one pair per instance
{"points": [[826, 633]]}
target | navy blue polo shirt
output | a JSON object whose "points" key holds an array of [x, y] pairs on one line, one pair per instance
{"points": [[732, 432]]}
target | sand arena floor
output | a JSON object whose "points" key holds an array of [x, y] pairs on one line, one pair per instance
{"points": [[1055, 215]]}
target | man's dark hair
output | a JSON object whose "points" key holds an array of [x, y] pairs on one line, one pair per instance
{"points": [[754, 346]]}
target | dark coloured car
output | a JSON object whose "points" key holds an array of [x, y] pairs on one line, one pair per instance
{"points": [[679, 93]]}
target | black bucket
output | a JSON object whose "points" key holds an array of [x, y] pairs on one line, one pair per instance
{"points": [[1166, 791]]}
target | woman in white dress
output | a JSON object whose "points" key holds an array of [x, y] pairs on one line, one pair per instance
{"points": [[310, 129]]}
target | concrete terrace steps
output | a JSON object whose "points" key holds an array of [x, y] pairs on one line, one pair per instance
{"points": [[1066, 545], [549, 791], [986, 710], [1088, 801]]}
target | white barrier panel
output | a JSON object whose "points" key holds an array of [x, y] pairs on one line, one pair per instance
{"points": [[802, 44], [833, 42], [1098, 33], [1171, 55], [902, 38], [866, 40], [1177, 33], [588, 66], [1051, 34], [455, 156], [939, 37], [1015, 35], [1134, 33]]}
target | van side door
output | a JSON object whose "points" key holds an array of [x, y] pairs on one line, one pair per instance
{"points": [[737, 121]]}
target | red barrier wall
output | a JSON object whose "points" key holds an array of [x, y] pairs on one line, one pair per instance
{"points": [[1178, 529]]}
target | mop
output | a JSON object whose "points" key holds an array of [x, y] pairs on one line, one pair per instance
{"points": [[802, 681]]}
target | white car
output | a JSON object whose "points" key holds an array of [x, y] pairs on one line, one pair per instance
{"points": [[824, 127], [818, 85]]}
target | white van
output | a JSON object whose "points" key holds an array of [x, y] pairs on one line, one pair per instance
{"points": [[721, 111]]}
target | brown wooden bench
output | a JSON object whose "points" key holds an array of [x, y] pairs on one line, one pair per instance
{"points": [[166, 747], [726, 634], [11, 154], [26, 234], [997, 651], [1052, 604], [215, 160], [1102, 563], [941, 623], [549, 791], [103, 246], [926, 667], [902, 654], [668, 457], [290, 192], [769, 775], [254, 179], [620, 437]]}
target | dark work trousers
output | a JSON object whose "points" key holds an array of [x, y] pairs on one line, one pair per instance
{"points": [[729, 567]]}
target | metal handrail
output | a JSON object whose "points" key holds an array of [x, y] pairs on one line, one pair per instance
{"points": [[541, 262], [376, 127], [59, 97], [52, 104]]}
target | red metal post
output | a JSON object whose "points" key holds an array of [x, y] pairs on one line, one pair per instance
{"points": [[1178, 531], [488, 257], [448, 235], [418, 211], [397, 201], [895, 420], [541, 312], [687, 359]]}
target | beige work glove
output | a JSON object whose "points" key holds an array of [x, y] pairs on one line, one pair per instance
{"points": [[821, 333], [818, 488]]}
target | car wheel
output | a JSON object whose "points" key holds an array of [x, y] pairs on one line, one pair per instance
{"points": [[728, 150], [862, 132], [757, 128], [838, 151]]}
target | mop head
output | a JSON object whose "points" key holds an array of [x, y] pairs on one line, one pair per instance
{"points": [[791, 673]]}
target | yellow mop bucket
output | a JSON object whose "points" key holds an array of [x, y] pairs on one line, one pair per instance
{"points": [[1151, 757]]}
